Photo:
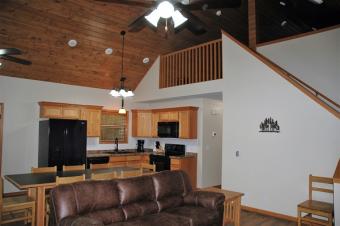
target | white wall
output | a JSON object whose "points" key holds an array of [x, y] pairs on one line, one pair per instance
{"points": [[21, 121], [315, 59], [212, 145], [272, 169]]}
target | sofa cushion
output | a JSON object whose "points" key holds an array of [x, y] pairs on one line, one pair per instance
{"points": [[161, 219], [107, 216], [170, 202], [198, 216]]}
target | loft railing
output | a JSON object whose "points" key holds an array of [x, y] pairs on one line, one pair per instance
{"points": [[195, 64], [317, 96]]}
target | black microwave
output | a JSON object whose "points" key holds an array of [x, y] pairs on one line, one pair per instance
{"points": [[168, 129]]}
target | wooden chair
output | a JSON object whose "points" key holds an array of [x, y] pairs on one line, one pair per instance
{"points": [[74, 168], [147, 168], [313, 208], [131, 173], [17, 208], [52, 169], [103, 176], [100, 166], [69, 180]]}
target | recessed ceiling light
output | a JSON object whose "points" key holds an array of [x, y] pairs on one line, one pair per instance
{"points": [[283, 23], [108, 51], [282, 3], [218, 13], [146, 60], [72, 43]]}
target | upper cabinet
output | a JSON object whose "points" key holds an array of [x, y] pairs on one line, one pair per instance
{"points": [[145, 122], [141, 123], [91, 114]]}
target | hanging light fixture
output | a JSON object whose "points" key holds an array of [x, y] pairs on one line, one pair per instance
{"points": [[121, 91], [122, 110]]}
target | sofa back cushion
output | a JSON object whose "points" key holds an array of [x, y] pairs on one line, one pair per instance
{"points": [[137, 196], [170, 188], [84, 197]]}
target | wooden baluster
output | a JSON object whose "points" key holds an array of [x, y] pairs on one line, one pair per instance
{"points": [[179, 69], [219, 60], [196, 64], [172, 71], [211, 62], [190, 65], [215, 60], [186, 81], [161, 72], [166, 79]]}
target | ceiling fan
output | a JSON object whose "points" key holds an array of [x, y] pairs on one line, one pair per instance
{"points": [[176, 14], [7, 53]]}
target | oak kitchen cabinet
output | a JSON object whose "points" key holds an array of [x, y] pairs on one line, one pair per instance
{"points": [[186, 163], [145, 122], [92, 114], [141, 123]]}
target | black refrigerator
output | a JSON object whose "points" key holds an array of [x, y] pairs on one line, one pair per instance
{"points": [[62, 142]]}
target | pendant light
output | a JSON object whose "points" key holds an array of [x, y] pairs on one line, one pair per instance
{"points": [[122, 110], [121, 91]]}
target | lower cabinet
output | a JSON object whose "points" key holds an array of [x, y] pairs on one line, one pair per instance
{"points": [[187, 164], [129, 159]]}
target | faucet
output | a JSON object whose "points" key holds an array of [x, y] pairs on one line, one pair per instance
{"points": [[116, 143]]}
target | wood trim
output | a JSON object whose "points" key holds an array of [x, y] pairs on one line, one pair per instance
{"points": [[252, 24], [336, 177], [193, 47], [269, 213], [1, 132], [289, 77], [41, 103], [298, 36]]}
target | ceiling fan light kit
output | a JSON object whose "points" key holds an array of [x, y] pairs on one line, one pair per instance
{"points": [[166, 10]]}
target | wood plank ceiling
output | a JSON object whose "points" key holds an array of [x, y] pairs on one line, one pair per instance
{"points": [[42, 28]]}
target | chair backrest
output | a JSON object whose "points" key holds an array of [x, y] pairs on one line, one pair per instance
{"points": [[131, 173], [69, 180], [320, 180], [103, 176], [99, 166], [52, 169], [73, 168], [148, 166]]}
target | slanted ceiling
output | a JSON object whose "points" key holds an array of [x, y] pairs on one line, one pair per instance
{"points": [[42, 28]]}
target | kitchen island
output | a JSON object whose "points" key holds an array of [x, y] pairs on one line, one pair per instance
{"points": [[187, 162]]}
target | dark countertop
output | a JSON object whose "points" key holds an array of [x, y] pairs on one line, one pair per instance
{"points": [[129, 152]]}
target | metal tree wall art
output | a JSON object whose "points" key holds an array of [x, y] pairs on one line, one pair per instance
{"points": [[270, 126]]}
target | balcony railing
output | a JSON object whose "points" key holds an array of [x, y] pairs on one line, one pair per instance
{"points": [[195, 64]]}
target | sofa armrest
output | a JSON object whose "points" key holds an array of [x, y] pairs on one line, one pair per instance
{"points": [[80, 221], [212, 200]]}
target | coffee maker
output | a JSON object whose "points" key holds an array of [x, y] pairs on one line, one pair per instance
{"points": [[140, 145]]}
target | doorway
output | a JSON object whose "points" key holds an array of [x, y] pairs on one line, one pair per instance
{"points": [[1, 132]]}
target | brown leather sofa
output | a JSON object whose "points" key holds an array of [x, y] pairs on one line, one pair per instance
{"points": [[164, 199]]}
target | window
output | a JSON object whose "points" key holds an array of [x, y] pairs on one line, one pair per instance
{"points": [[113, 125]]}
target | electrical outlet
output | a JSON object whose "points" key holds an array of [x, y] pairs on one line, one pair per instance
{"points": [[213, 133], [237, 153]]}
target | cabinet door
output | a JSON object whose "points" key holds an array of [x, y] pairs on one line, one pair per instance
{"points": [[144, 124], [71, 112], [154, 126], [51, 111], [163, 116], [92, 116], [173, 116], [184, 124]]}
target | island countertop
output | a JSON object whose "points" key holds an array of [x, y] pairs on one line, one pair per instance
{"points": [[132, 152]]}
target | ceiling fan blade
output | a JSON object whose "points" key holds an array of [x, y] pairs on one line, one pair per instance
{"points": [[145, 4], [10, 51], [193, 24], [212, 4], [16, 60], [139, 23]]}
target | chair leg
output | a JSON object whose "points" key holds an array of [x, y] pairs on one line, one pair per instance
{"points": [[33, 215], [299, 217]]}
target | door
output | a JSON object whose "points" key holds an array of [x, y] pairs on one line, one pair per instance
{"points": [[1, 132], [75, 143], [56, 143]]}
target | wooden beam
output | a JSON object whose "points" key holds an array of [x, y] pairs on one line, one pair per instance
{"points": [[252, 24]]}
